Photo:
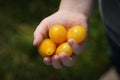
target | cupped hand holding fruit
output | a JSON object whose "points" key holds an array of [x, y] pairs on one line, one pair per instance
{"points": [[68, 20]]}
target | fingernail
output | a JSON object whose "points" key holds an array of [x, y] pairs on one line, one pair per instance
{"points": [[70, 41], [36, 42]]}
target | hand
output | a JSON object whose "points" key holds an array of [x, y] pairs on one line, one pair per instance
{"points": [[67, 19]]}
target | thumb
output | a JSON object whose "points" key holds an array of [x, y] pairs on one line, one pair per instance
{"points": [[77, 48], [40, 33]]}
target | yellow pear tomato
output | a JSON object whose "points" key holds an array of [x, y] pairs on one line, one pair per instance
{"points": [[58, 34], [47, 47], [64, 47], [77, 33]]}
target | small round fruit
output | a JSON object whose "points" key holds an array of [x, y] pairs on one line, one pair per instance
{"points": [[47, 47], [77, 33], [64, 47], [58, 34]]}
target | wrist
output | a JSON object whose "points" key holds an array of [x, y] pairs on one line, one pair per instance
{"points": [[74, 17], [75, 14], [77, 6], [71, 5]]}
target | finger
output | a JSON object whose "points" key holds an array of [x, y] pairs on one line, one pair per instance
{"points": [[56, 62], [66, 60], [77, 48], [40, 33], [46, 60]]}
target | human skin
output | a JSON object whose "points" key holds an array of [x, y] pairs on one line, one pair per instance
{"points": [[70, 13]]}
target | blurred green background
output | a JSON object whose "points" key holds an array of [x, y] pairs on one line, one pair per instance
{"points": [[19, 60]]}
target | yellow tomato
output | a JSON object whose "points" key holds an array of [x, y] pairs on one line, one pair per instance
{"points": [[64, 47], [58, 34], [77, 33], [47, 47]]}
